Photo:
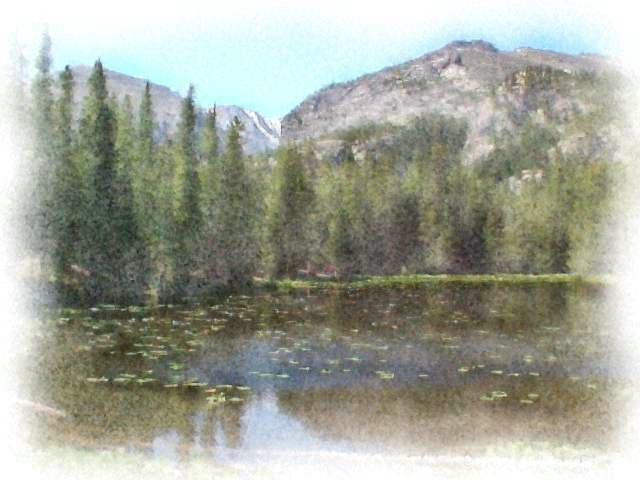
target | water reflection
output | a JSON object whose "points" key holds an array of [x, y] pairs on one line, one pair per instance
{"points": [[423, 370]]}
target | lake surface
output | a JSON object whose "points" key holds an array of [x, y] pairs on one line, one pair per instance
{"points": [[433, 370]]}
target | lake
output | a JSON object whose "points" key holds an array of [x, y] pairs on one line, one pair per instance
{"points": [[486, 369]]}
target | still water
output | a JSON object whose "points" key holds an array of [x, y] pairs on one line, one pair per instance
{"points": [[425, 371]]}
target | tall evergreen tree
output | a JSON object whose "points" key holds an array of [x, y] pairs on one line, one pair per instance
{"points": [[42, 160], [188, 219], [112, 239], [210, 140], [288, 214], [151, 188], [236, 212], [42, 92], [136, 253], [190, 215], [208, 175], [68, 200], [146, 127]]}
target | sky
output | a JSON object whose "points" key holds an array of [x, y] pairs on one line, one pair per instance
{"points": [[268, 56]]}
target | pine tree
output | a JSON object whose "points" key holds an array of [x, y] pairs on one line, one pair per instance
{"points": [[191, 215], [236, 212], [210, 160], [68, 200], [42, 91], [288, 214], [145, 170], [210, 140], [188, 220], [42, 160], [125, 135], [135, 251], [208, 175], [112, 240], [151, 188], [146, 128]]}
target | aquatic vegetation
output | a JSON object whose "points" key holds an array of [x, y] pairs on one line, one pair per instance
{"points": [[442, 350], [420, 280], [494, 395], [216, 399]]}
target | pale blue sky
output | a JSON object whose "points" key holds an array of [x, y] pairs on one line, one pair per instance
{"points": [[270, 56]]}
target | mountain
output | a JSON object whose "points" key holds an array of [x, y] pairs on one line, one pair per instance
{"points": [[495, 92], [260, 133]]}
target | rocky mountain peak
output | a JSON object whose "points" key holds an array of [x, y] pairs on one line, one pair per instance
{"points": [[471, 44], [467, 80]]}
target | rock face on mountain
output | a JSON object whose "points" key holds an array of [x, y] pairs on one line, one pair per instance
{"points": [[260, 134], [492, 90]]}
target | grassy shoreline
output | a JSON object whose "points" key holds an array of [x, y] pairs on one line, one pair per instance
{"points": [[47, 292], [427, 279]]}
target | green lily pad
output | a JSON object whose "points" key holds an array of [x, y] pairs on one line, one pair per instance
{"points": [[145, 380], [97, 380], [195, 384]]}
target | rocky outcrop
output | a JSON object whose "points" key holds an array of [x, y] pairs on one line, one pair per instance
{"points": [[492, 90]]}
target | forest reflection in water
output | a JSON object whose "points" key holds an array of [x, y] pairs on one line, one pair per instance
{"points": [[430, 370]]}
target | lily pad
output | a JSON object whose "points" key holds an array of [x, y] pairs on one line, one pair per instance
{"points": [[97, 380]]}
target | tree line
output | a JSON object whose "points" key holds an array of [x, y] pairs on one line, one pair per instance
{"points": [[114, 214]]}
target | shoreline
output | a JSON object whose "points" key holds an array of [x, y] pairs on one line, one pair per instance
{"points": [[419, 280]]}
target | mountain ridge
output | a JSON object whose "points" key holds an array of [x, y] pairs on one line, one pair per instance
{"points": [[260, 134], [470, 80]]}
